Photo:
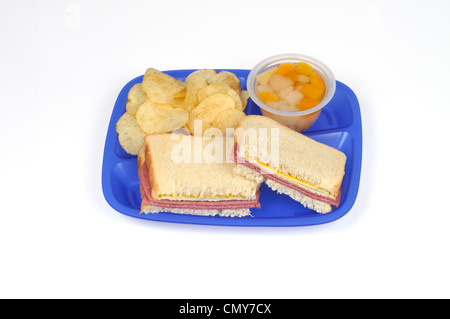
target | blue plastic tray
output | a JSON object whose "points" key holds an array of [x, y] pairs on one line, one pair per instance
{"points": [[339, 125]]}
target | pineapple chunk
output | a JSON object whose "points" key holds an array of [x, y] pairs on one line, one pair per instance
{"points": [[286, 91], [303, 78], [279, 82], [293, 98], [264, 77], [263, 88]]}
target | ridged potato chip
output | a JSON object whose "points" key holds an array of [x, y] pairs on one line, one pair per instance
{"points": [[211, 76], [229, 78], [135, 98], [220, 87], [131, 137], [227, 119], [208, 109], [160, 118], [244, 98], [207, 74], [177, 102], [193, 84], [162, 88], [150, 71]]}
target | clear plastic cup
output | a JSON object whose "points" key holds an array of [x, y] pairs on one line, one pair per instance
{"points": [[300, 120]]}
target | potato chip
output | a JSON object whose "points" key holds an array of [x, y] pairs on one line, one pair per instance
{"points": [[162, 88], [207, 74], [160, 118], [135, 98], [211, 76], [244, 98], [131, 137], [177, 102], [193, 84], [229, 78], [208, 109], [227, 119], [150, 71], [220, 88]]}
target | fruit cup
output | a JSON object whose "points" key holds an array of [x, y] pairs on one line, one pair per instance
{"points": [[296, 120]]}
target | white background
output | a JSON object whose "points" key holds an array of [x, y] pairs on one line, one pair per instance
{"points": [[63, 64]]}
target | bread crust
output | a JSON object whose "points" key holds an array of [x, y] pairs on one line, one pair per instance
{"points": [[140, 162], [151, 168]]}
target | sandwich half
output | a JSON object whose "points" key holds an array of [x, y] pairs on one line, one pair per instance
{"points": [[289, 162], [191, 185]]}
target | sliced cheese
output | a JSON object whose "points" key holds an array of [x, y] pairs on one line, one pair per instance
{"points": [[306, 185], [206, 198]]}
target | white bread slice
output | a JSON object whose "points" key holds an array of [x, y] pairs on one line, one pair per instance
{"points": [[148, 209], [249, 173], [299, 157], [197, 181]]}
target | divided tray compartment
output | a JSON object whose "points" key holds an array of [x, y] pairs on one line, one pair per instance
{"points": [[339, 126]]}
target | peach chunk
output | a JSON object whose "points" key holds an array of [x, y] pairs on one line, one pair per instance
{"points": [[307, 103], [286, 68], [316, 80], [293, 76], [267, 97], [312, 91], [304, 68]]}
